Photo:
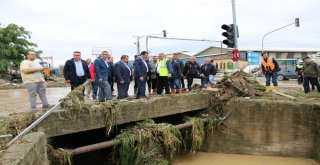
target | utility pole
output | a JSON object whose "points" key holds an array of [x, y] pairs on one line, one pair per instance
{"points": [[235, 24], [138, 45]]}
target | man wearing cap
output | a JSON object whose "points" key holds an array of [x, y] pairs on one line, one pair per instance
{"points": [[310, 74], [270, 67]]}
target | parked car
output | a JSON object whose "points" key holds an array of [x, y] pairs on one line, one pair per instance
{"points": [[287, 74]]}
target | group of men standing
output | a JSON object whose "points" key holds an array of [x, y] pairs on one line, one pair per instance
{"points": [[160, 74], [308, 72]]}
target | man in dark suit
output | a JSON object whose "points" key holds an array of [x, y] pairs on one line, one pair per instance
{"points": [[76, 70], [102, 70], [122, 76], [140, 73], [207, 72], [111, 76]]}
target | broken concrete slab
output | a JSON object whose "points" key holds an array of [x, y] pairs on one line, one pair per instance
{"points": [[30, 150]]}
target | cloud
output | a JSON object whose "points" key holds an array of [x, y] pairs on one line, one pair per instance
{"points": [[62, 26]]}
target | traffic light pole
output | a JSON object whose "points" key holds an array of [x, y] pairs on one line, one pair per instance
{"points": [[235, 24], [185, 39], [274, 31]]}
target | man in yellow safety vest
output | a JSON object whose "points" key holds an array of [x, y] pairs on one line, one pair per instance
{"points": [[270, 67], [164, 71]]}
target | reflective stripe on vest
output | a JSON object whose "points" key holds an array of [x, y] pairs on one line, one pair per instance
{"points": [[299, 66], [269, 65], [163, 67]]}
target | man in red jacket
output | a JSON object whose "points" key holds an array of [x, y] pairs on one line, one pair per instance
{"points": [[94, 82]]}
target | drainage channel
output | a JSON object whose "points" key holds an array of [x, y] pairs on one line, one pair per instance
{"points": [[94, 146]]}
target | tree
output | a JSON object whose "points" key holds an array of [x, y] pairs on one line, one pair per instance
{"points": [[14, 44]]}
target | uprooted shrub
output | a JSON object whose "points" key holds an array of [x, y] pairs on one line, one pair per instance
{"points": [[147, 143], [151, 143], [58, 156], [15, 124]]}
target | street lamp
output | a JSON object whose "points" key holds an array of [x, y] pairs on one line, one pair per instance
{"points": [[296, 23]]}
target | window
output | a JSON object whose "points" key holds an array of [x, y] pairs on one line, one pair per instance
{"points": [[224, 65], [278, 55], [220, 65], [290, 55]]}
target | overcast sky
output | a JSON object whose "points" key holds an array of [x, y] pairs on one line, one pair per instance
{"points": [[61, 26]]}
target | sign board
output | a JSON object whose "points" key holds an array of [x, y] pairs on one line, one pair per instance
{"points": [[229, 65], [254, 58], [235, 55]]}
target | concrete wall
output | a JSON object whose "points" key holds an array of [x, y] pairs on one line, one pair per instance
{"points": [[60, 123], [263, 127], [30, 150]]}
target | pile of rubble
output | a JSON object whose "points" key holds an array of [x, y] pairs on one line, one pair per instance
{"points": [[239, 84]]}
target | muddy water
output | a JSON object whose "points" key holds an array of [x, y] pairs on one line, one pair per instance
{"points": [[202, 158]]}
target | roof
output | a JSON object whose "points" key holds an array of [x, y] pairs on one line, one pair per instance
{"points": [[283, 50]]}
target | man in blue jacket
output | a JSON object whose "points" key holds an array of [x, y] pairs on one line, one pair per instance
{"points": [[76, 70], [122, 76], [102, 70], [140, 73]]}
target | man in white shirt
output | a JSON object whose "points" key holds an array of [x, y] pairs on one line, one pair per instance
{"points": [[76, 70], [31, 73]]}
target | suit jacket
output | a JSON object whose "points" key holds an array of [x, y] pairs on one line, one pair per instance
{"points": [[111, 75], [211, 70], [176, 70], [69, 70], [140, 69], [121, 72], [101, 69]]}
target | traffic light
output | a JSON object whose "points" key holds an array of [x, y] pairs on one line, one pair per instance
{"points": [[229, 33], [164, 33], [297, 22]]}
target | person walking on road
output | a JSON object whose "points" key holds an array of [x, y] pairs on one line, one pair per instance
{"points": [[191, 70], [141, 73], [311, 73], [207, 72], [270, 67], [122, 77], [76, 70], [102, 69], [31, 73], [164, 71]]}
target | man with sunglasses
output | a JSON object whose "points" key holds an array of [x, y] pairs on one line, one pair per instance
{"points": [[76, 70]]}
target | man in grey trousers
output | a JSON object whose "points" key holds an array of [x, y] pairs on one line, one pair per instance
{"points": [[31, 73]]}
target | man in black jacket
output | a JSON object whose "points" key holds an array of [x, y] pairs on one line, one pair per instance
{"points": [[76, 70], [111, 76], [191, 70], [207, 71], [175, 76]]}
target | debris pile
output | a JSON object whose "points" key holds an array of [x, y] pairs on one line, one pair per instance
{"points": [[239, 84], [15, 124], [151, 143]]}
